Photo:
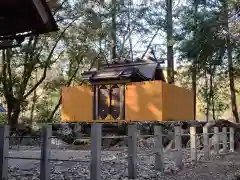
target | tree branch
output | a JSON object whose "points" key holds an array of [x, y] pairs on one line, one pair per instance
{"points": [[68, 84], [48, 61], [150, 43], [28, 67], [4, 74], [9, 71]]}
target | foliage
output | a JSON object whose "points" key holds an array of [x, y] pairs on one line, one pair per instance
{"points": [[3, 118]]}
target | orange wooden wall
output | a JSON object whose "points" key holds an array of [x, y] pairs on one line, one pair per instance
{"points": [[178, 103], [158, 101], [77, 104], [143, 101]]}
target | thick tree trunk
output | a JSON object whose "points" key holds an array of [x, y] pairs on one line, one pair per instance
{"points": [[14, 110], [170, 63], [14, 117]]}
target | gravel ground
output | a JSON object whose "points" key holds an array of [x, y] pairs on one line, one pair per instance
{"points": [[114, 167]]}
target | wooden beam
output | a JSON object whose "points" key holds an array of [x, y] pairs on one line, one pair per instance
{"points": [[52, 3], [108, 82]]}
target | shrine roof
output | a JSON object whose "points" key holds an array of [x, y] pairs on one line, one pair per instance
{"points": [[125, 69]]}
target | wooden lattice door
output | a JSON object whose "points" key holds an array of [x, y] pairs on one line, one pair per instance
{"points": [[109, 102]]}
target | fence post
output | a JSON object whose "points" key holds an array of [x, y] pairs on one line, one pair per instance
{"points": [[216, 140], [45, 152], [224, 139], [231, 139], [96, 144], [159, 160], [178, 146], [132, 151], [193, 140], [4, 140], [206, 143]]}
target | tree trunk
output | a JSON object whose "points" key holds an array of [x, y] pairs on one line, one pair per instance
{"points": [[231, 82], [34, 99], [114, 29], [230, 64], [194, 88], [211, 90], [170, 63], [206, 93], [129, 29], [14, 117], [194, 66], [14, 109]]}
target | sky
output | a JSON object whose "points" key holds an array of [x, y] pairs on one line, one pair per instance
{"points": [[159, 43]]}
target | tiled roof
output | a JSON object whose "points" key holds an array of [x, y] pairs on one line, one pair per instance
{"points": [[138, 70]]}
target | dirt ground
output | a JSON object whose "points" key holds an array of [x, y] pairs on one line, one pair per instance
{"points": [[225, 168]]}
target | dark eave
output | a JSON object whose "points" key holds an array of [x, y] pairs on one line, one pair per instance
{"points": [[24, 18]]}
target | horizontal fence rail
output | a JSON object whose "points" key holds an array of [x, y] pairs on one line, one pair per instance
{"points": [[224, 138]]}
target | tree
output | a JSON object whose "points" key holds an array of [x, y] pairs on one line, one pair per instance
{"points": [[37, 53], [170, 61], [229, 44], [208, 47]]}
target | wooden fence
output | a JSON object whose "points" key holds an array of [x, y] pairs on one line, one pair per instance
{"points": [[220, 138]]}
